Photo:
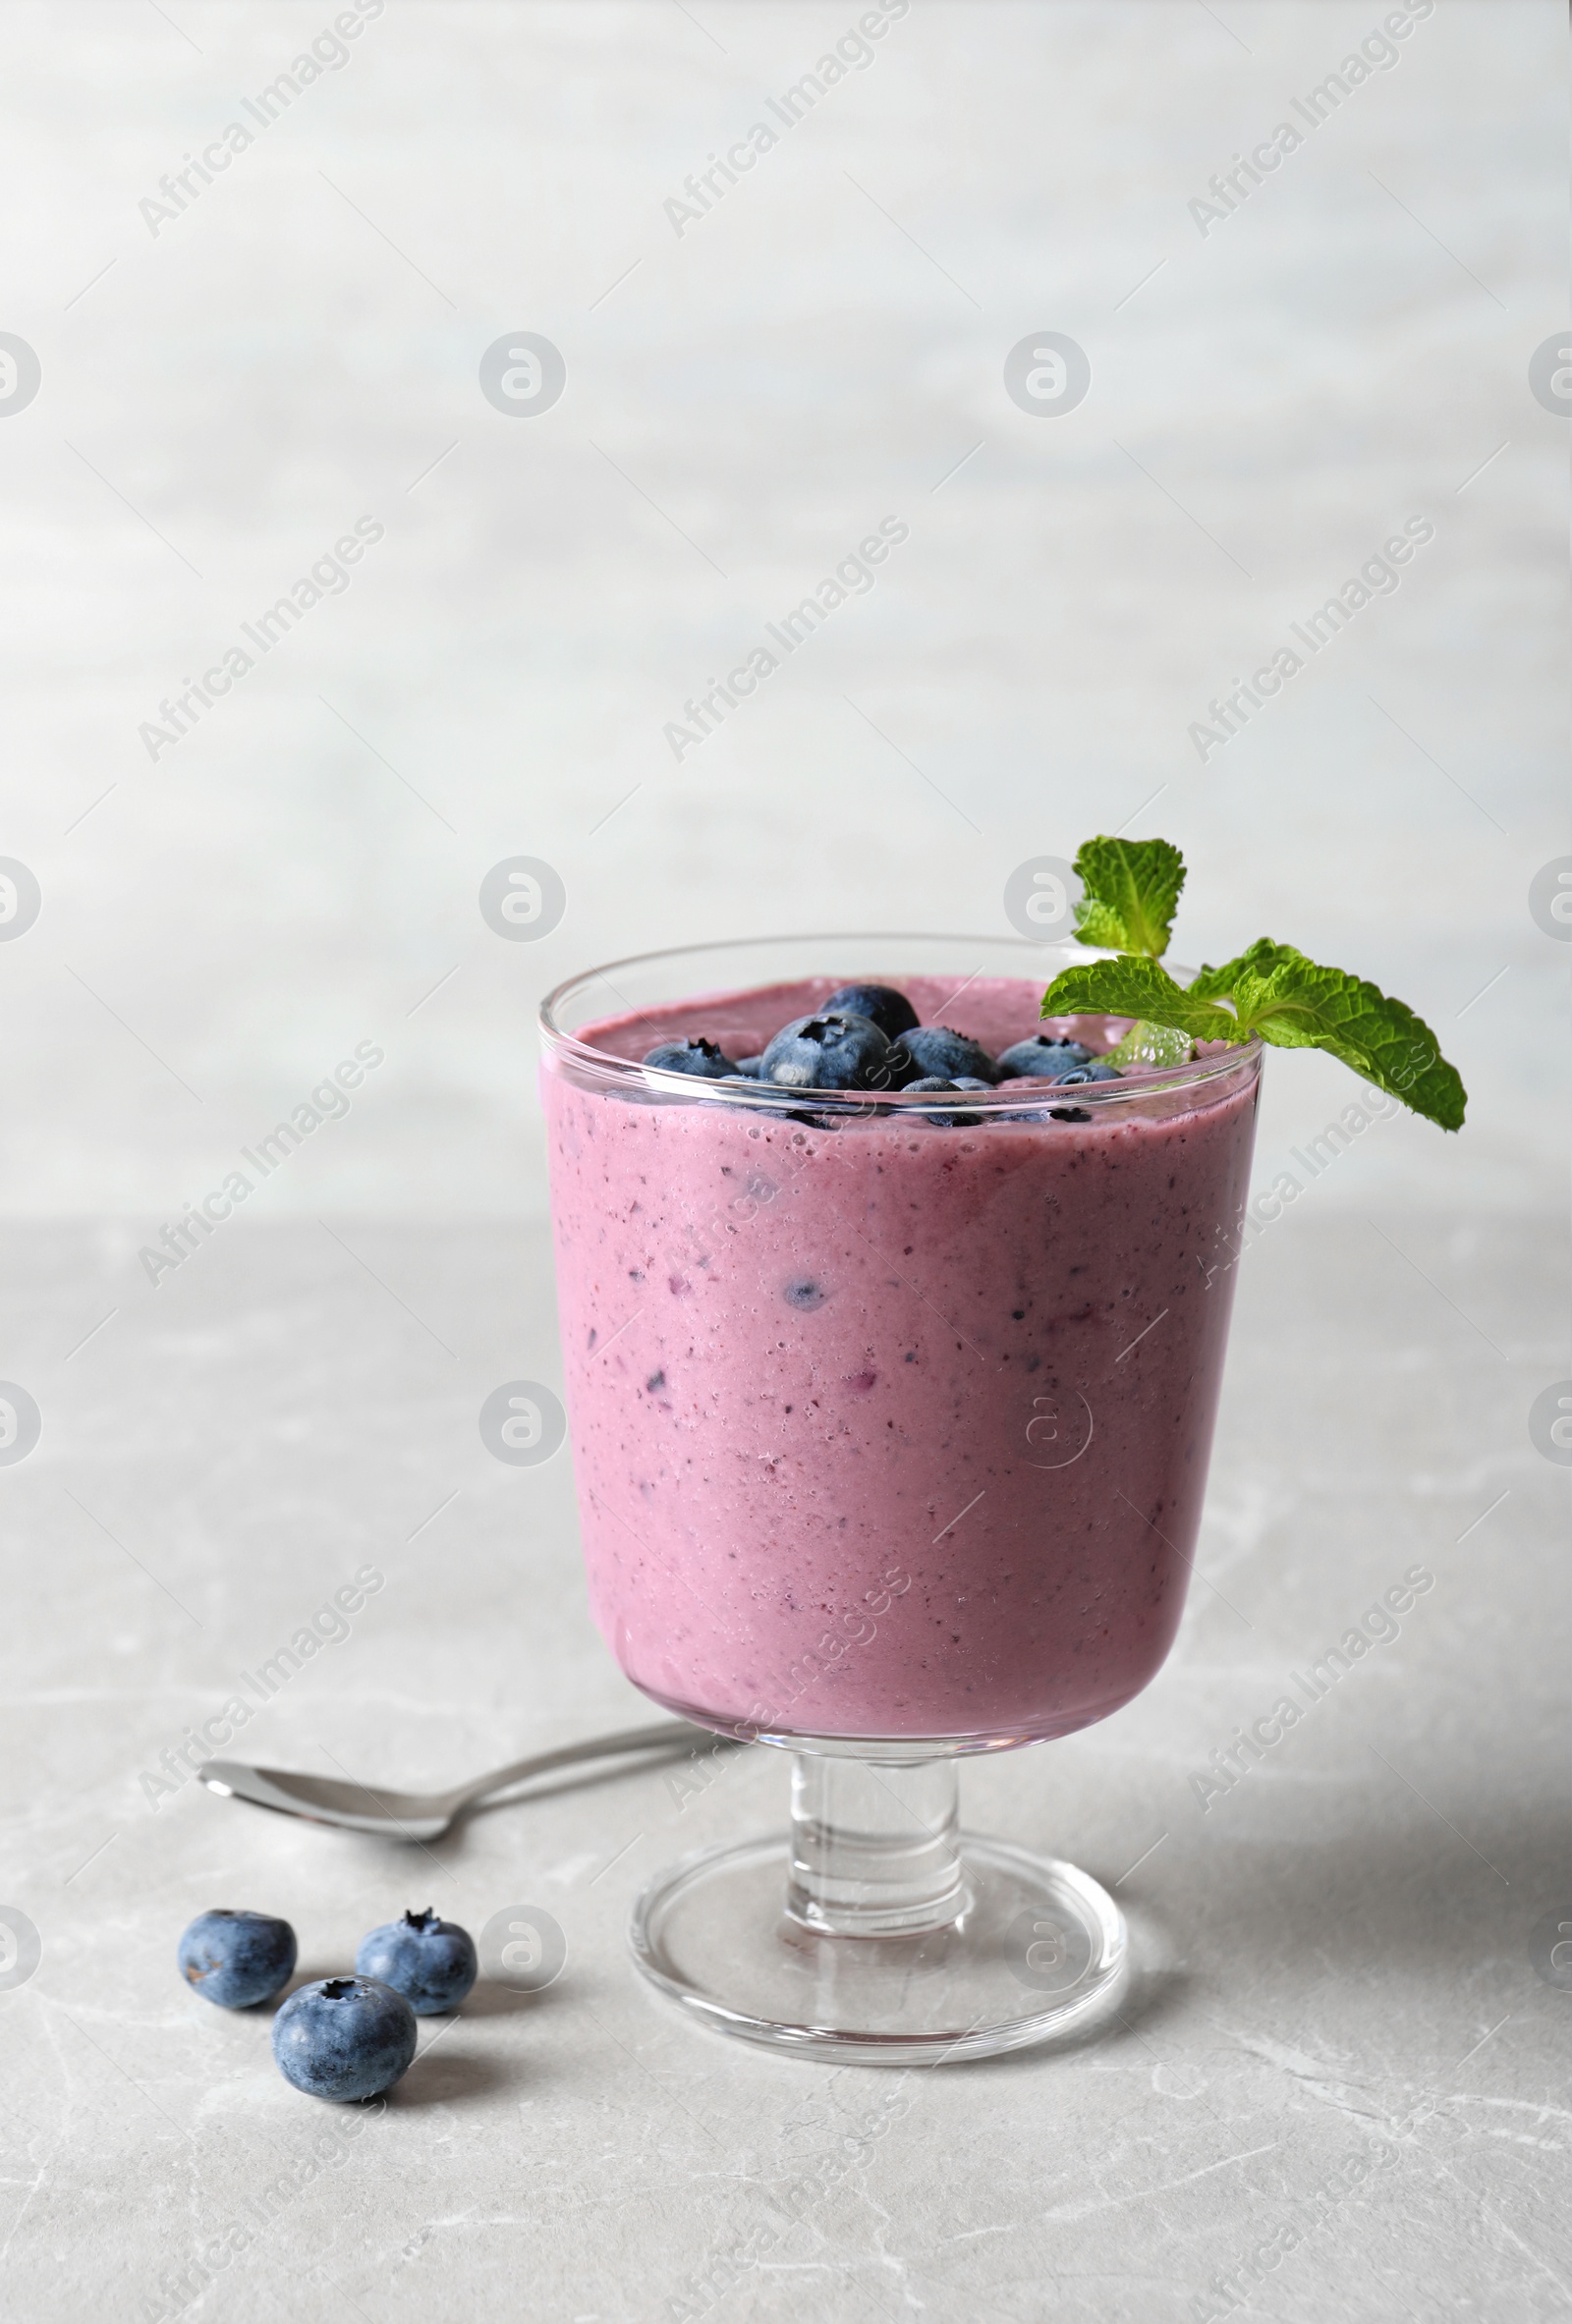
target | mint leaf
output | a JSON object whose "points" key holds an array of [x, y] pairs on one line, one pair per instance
{"points": [[1132, 887], [1295, 1004], [1150, 1044], [1212, 984], [1271, 991], [1138, 988]]}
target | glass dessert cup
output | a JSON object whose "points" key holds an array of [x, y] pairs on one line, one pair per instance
{"points": [[890, 1424]]}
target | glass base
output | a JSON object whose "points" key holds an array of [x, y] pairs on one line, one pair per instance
{"points": [[1033, 1951]]}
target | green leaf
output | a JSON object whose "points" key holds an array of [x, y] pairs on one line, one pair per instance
{"points": [[1151, 1045], [1138, 988], [1212, 984], [1132, 887], [1295, 1004]]}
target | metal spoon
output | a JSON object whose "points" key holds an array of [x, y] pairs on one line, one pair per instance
{"points": [[422, 1815]]}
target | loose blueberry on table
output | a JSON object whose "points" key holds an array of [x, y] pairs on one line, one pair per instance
{"points": [[429, 1961], [237, 1959], [344, 2038]]}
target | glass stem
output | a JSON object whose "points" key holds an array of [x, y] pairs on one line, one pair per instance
{"points": [[876, 1847]]}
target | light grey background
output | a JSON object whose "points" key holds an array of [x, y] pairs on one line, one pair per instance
{"points": [[1336, 1957], [1335, 1971], [746, 403]]}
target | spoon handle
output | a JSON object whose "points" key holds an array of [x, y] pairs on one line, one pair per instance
{"points": [[666, 1736]]}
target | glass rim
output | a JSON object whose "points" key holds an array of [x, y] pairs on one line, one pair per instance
{"points": [[1008, 1097]]}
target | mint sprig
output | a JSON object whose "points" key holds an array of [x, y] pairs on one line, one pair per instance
{"points": [[1132, 887], [1271, 989]]}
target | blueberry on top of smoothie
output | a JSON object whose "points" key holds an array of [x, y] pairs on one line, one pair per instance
{"points": [[699, 1057], [931, 1085], [886, 1008], [1096, 1071], [832, 1050], [1040, 1057], [934, 1050], [751, 1068]]}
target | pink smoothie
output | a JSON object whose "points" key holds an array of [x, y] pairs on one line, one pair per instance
{"points": [[892, 1430]]}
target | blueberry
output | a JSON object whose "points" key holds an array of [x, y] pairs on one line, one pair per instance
{"points": [[699, 1057], [1042, 1056], [934, 1052], [751, 1069], [930, 1086], [886, 1008], [430, 1961], [1096, 1071], [235, 1958], [829, 1051], [1068, 1113], [343, 2037]]}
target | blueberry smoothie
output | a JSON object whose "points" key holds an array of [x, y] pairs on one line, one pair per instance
{"points": [[893, 1421]]}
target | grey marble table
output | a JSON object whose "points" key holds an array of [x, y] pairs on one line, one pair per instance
{"points": [[1341, 2087]]}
